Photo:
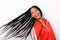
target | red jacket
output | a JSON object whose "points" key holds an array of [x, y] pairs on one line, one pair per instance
{"points": [[44, 33]]}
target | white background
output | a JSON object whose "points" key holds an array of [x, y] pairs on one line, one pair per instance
{"points": [[10, 9]]}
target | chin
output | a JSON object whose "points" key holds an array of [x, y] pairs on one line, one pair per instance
{"points": [[38, 18]]}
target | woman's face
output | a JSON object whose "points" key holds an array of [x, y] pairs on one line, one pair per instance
{"points": [[35, 13]]}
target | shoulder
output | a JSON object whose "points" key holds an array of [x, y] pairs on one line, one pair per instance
{"points": [[46, 20]]}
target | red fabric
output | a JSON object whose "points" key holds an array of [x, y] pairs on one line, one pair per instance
{"points": [[42, 33]]}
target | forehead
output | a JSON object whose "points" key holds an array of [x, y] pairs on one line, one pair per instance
{"points": [[33, 9]]}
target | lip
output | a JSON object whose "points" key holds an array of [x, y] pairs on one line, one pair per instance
{"points": [[37, 15]]}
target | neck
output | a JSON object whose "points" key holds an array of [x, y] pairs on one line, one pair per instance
{"points": [[40, 19]]}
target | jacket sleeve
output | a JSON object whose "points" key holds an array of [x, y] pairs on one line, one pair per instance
{"points": [[51, 32]]}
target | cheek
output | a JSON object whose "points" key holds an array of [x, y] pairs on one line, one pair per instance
{"points": [[33, 15], [39, 13]]}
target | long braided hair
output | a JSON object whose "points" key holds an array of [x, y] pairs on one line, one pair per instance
{"points": [[20, 26]]}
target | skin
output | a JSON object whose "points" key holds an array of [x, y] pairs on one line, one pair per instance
{"points": [[35, 13]]}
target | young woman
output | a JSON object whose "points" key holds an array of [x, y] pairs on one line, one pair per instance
{"points": [[30, 22]]}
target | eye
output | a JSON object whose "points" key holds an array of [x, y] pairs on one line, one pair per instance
{"points": [[36, 10]]}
